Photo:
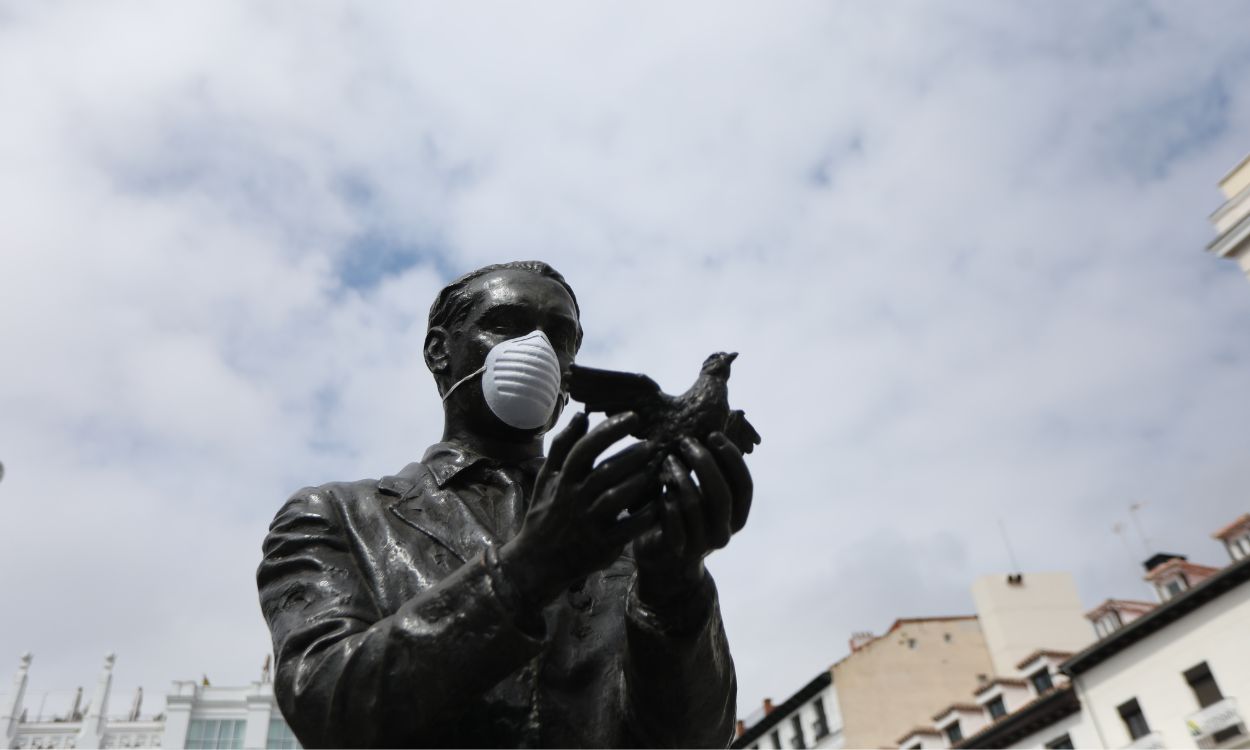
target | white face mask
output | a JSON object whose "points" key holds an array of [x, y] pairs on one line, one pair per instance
{"points": [[520, 381]]}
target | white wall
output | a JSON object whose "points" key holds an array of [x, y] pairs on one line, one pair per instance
{"points": [[807, 714], [1151, 671]]}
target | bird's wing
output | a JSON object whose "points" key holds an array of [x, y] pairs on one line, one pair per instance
{"points": [[740, 432], [610, 391]]}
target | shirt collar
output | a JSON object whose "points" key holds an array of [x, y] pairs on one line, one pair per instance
{"points": [[446, 460]]}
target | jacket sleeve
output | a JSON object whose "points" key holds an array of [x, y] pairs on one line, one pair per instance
{"points": [[346, 676], [680, 684]]}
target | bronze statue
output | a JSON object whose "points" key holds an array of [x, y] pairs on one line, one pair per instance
{"points": [[487, 597]]}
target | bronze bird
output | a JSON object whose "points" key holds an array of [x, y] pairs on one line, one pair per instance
{"points": [[701, 410]]}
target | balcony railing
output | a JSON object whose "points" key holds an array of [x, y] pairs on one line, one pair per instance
{"points": [[1216, 724]]}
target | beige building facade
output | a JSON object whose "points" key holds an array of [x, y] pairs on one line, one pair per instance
{"points": [[892, 683], [1020, 613]]}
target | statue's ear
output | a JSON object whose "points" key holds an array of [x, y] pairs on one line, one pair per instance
{"points": [[437, 356]]}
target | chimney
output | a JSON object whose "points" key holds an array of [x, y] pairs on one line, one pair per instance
{"points": [[860, 639], [768, 706], [1157, 560]]}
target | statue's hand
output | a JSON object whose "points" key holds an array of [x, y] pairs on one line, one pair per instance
{"points": [[572, 528], [694, 519]]}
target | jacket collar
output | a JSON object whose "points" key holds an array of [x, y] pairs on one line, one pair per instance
{"points": [[445, 460], [422, 500]]}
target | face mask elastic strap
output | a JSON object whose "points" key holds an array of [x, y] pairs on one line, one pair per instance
{"points": [[461, 381]]}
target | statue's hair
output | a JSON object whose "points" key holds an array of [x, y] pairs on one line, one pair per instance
{"points": [[453, 303]]}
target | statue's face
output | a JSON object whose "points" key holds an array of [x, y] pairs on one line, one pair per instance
{"points": [[509, 303]]}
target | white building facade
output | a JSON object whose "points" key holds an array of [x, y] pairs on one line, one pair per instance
{"points": [[1232, 220], [197, 716], [1173, 674], [808, 719]]}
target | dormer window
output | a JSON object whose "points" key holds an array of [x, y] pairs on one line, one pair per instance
{"points": [[1041, 681], [1239, 547], [1108, 623], [954, 733], [997, 707], [1170, 587]]}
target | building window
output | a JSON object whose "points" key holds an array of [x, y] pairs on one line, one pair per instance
{"points": [[796, 723], [775, 736], [1108, 624], [997, 707], [280, 736], [1173, 586], [1208, 693], [953, 733], [821, 725], [1041, 680], [1134, 719], [1203, 684], [215, 734], [1062, 742]]}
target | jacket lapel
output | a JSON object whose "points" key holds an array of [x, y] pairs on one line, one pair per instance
{"points": [[436, 512]]}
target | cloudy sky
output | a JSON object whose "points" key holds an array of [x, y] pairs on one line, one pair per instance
{"points": [[959, 246]]}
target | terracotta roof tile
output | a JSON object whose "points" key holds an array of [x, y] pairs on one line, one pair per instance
{"points": [[1042, 652], [1244, 520]]}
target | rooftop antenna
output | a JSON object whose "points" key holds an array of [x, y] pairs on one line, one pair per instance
{"points": [[1132, 512], [1011, 555], [1118, 529]]}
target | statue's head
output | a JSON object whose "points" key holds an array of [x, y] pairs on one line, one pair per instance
{"points": [[484, 308]]}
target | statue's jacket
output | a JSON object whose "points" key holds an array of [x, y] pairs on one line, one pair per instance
{"points": [[393, 628]]}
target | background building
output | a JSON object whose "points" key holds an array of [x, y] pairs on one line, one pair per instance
{"points": [[1030, 669], [1232, 220], [1165, 674], [890, 685], [196, 716], [809, 718]]}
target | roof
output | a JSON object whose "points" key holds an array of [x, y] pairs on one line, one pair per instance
{"points": [[1038, 713], [971, 707], [782, 710], [1117, 604], [918, 730], [908, 620], [1042, 652], [1233, 527], [1160, 617], [1178, 563], [1000, 681]]}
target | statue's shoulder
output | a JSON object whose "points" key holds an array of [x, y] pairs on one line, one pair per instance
{"points": [[331, 498], [338, 500]]}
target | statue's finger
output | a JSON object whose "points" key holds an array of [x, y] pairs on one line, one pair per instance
{"points": [[561, 444], [631, 526], [686, 496], [717, 500], [672, 528], [734, 468], [583, 454], [615, 499], [616, 468]]}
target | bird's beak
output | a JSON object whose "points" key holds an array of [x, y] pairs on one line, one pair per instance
{"points": [[730, 357]]}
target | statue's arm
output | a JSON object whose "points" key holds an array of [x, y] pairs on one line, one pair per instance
{"points": [[680, 683], [346, 675]]}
